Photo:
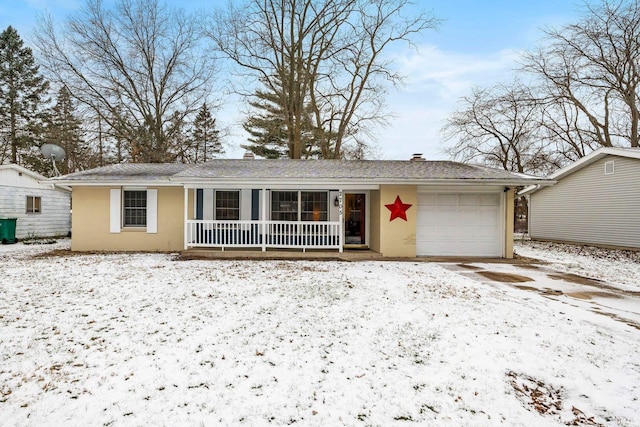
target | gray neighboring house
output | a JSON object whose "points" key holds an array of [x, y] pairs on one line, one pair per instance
{"points": [[42, 209], [596, 201]]}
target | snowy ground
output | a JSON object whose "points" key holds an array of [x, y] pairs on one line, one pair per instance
{"points": [[143, 339], [621, 268]]}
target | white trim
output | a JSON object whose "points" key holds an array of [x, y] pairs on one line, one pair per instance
{"points": [[341, 218], [115, 210], [610, 163], [367, 217], [152, 211], [214, 203], [263, 217], [186, 215]]}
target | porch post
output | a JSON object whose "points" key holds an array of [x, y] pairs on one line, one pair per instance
{"points": [[341, 219], [263, 219], [186, 217]]}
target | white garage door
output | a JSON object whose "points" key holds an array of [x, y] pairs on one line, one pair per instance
{"points": [[459, 224]]}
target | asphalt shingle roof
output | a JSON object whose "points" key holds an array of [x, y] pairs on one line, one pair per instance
{"points": [[129, 171], [302, 170], [341, 169]]}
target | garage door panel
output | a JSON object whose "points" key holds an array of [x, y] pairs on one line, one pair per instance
{"points": [[447, 200], [489, 200], [466, 215], [465, 224], [488, 216], [468, 200]]}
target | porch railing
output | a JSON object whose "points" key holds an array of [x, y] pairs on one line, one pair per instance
{"points": [[263, 234]]}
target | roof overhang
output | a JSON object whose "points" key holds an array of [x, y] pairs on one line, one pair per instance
{"points": [[353, 183]]}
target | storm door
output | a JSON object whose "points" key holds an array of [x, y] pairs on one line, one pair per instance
{"points": [[354, 218]]}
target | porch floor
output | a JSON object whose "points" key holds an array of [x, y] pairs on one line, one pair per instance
{"points": [[284, 254], [349, 255]]}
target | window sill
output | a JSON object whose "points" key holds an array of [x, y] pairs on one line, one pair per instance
{"points": [[134, 229]]}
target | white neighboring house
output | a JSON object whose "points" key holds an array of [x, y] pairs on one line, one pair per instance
{"points": [[596, 201], [42, 210]]}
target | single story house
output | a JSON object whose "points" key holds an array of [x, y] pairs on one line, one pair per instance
{"points": [[41, 209], [596, 201], [397, 208]]}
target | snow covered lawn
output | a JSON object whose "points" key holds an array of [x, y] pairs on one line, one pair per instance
{"points": [[620, 268], [143, 339]]}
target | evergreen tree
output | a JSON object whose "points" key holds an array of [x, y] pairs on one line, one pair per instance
{"points": [[205, 137], [22, 89], [268, 130], [268, 133]]}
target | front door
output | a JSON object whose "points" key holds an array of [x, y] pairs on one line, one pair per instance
{"points": [[354, 218]]}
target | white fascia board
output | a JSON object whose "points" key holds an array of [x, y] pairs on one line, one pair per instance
{"points": [[280, 184], [369, 184], [117, 183]]}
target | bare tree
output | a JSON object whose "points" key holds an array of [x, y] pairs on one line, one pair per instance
{"points": [[136, 65], [499, 127], [590, 74], [326, 54]]}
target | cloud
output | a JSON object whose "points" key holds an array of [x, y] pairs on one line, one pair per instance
{"points": [[435, 81], [453, 73]]}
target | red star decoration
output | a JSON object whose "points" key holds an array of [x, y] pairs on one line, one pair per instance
{"points": [[398, 209]]}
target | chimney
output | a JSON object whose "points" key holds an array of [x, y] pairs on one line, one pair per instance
{"points": [[248, 155], [417, 157]]}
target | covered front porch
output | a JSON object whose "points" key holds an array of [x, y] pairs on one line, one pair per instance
{"points": [[268, 219]]}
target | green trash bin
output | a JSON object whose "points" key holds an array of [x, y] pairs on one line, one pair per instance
{"points": [[8, 230]]}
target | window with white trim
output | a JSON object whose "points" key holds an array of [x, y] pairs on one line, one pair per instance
{"points": [[299, 205], [227, 205], [34, 204], [134, 208]]}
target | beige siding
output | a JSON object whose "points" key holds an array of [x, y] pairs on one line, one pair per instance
{"points": [[90, 226], [589, 206], [374, 222], [508, 221], [396, 238]]}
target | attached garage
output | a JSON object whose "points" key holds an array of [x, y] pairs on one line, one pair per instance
{"points": [[460, 224]]}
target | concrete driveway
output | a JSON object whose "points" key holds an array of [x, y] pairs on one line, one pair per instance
{"points": [[589, 294]]}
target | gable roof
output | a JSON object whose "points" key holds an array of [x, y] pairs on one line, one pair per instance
{"points": [[303, 171], [24, 171], [633, 153], [40, 179]]}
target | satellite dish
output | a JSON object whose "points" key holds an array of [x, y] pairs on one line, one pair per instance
{"points": [[53, 152]]}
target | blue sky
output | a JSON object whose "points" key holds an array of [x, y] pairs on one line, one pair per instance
{"points": [[478, 43]]}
